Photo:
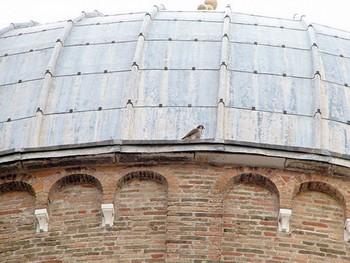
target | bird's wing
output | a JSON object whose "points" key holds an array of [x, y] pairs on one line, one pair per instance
{"points": [[190, 133]]}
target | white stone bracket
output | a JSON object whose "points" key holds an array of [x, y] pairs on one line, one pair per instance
{"points": [[284, 220], [107, 214], [347, 230], [42, 218]]}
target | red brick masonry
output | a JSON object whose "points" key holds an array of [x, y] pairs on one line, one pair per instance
{"points": [[174, 213]]}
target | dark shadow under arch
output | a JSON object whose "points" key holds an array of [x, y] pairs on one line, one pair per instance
{"points": [[320, 187], [17, 186], [256, 179], [76, 179], [142, 175]]}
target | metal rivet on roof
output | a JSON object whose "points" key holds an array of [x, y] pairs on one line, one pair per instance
{"points": [[255, 24], [175, 19], [284, 112], [255, 72], [165, 68], [255, 43], [20, 34], [129, 102], [193, 68], [43, 30], [284, 75], [346, 84], [341, 55], [160, 105], [58, 40], [31, 50], [19, 81], [253, 108], [199, 20], [105, 71], [348, 122], [99, 108], [221, 100], [318, 111], [282, 27], [283, 46], [98, 23], [113, 42], [78, 73], [87, 43], [336, 36], [8, 119], [38, 109], [170, 39], [71, 110], [189, 105], [225, 35], [140, 34], [196, 39], [5, 55]]}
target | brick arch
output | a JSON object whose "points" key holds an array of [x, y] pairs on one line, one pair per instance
{"points": [[141, 204], [250, 205], [142, 175], [17, 186], [320, 187], [75, 179], [319, 209], [253, 178], [17, 221], [74, 209]]}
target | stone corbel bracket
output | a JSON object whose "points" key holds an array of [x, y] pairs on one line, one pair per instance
{"points": [[42, 218], [347, 230], [284, 220], [107, 214]]}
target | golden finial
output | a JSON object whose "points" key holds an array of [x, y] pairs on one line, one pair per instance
{"points": [[208, 5]]}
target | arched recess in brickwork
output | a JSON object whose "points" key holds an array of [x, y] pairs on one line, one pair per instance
{"points": [[318, 211], [17, 222], [76, 179], [141, 203], [251, 178], [249, 223], [17, 186], [75, 214], [142, 175]]}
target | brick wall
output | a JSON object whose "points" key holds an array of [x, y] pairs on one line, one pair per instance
{"points": [[141, 221], [16, 226], [175, 213], [249, 223]]}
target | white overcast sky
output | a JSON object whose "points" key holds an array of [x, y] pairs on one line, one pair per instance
{"points": [[335, 13]]}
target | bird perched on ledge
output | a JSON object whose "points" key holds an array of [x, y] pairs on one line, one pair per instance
{"points": [[194, 134]]}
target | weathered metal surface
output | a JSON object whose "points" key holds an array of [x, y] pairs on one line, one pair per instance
{"points": [[19, 100], [275, 36], [271, 93], [104, 33], [113, 83]]}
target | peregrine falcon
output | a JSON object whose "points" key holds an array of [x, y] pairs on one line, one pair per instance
{"points": [[194, 134]]}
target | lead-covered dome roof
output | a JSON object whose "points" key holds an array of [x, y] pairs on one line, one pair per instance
{"points": [[154, 76]]}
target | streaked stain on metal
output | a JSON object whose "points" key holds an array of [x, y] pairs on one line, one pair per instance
{"points": [[270, 77]]}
